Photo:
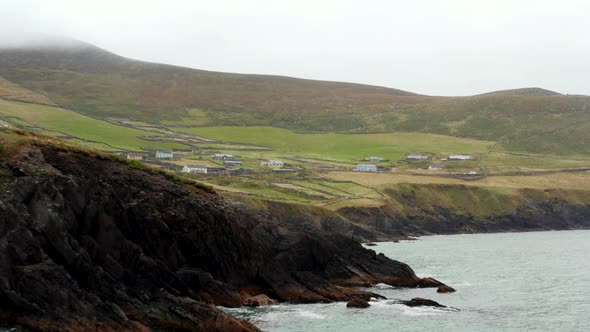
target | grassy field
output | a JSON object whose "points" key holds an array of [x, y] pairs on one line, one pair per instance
{"points": [[505, 162], [573, 180], [80, 126], [341, 147]]}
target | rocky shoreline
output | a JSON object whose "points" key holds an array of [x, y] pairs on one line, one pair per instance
{"points": [[88, 242]]}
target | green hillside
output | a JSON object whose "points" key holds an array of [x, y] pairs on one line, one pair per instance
{"points": [[92, 81]]}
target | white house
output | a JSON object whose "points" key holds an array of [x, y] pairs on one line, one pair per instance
{"points": [[374, 159], [272, 163], [194, 169], [232, 163], [135, 156], [365, 168], [459, 157], [416, 157]]}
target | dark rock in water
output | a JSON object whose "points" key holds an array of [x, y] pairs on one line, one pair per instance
{"points": [[90, 243], [419, 302], [259, 300], [358, 303], [445, 289], [370, 244], [429, 282]]}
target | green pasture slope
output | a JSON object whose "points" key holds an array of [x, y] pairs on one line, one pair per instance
{"points": [[55, 121], [342, 147]]}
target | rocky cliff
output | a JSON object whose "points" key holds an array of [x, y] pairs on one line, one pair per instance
{"points": [[88, 242], [426, 209]]}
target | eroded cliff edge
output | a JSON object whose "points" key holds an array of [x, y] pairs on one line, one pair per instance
{"points": [[88, 242]]}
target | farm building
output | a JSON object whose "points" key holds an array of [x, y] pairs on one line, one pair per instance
{"points": [[272, 163], [459, 157], [164, 154], [232, 163], [365, 168], [135, 155], [434, 167], [223, 156], [416, 157], [194, 169], [374, 159]]}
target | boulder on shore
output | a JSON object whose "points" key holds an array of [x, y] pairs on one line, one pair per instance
{"points": [[259, 300], [445, 289], [358, 303]]}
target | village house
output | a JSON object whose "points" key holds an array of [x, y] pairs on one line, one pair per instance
{"points": [[223, 156], [416, 157], [135, 155], [471, 173], [365, 168], [164, 154], [459, 157], [272, 163], [232, 163], [374, 159], [194, 169], [216, 170]]}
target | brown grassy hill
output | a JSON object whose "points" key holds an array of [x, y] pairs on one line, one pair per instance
{"points": [[90, 80], [93, 80], [524, 92]]}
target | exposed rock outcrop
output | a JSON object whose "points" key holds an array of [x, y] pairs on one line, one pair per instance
{"points": [[259, 300], [445, 289], [358, 303], [90, 243], [421, 302]]}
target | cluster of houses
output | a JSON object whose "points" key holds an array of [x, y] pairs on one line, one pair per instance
{"points": [[410, 157], [229, 162], [438, 167]]}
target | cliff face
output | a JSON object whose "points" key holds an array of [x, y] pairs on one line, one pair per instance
{"points": [[427, 209], [91, 243]]}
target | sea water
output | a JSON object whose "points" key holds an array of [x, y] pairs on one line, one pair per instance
{"points": [[537, 281]]}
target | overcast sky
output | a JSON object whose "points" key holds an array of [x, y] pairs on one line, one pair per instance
{"points": [[436, 47]]}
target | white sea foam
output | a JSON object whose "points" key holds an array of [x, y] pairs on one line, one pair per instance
{"points": [[417, 311], [309, 314]]}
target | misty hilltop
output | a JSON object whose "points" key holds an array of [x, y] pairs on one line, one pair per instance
{"points": [[89, 80]]}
